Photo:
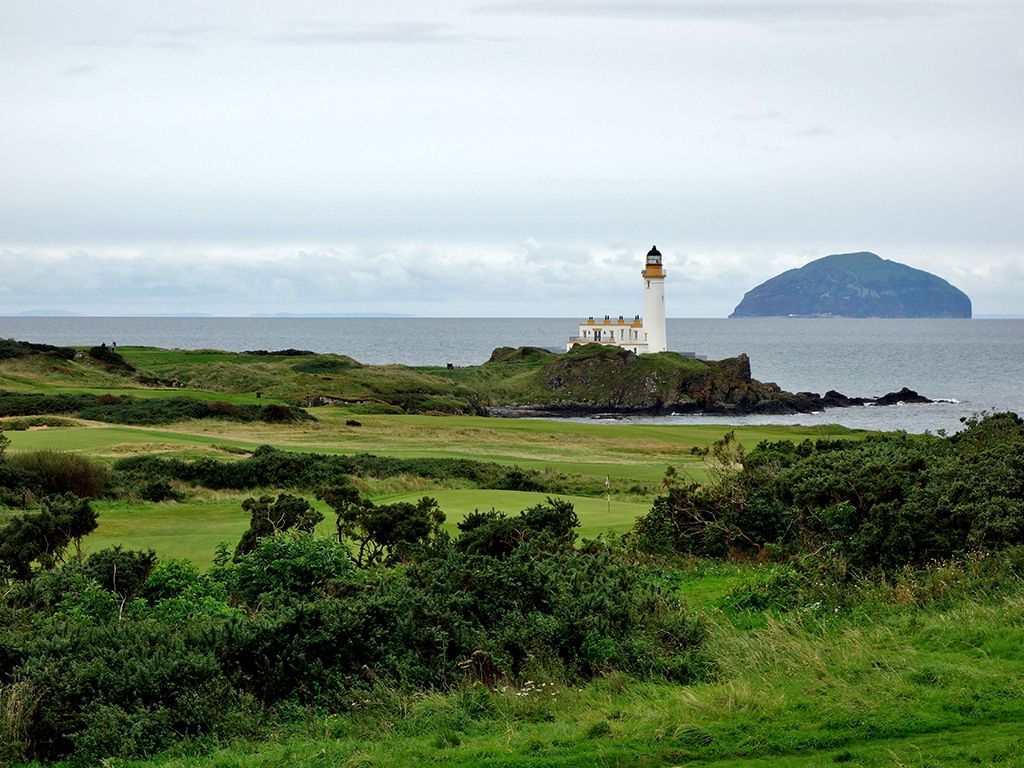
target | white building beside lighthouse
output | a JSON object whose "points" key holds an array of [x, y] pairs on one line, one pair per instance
{"points": [[637, 335]]}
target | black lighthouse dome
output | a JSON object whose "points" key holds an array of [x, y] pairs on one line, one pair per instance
{"points": [[654, 255]]}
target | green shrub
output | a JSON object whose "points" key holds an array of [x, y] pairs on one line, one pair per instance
{"points": [[288, 564], [159, 490], [326, 365], [272, 468], [126, 688], [112, 359], [43, 537], [269, 516], [9, 348], [884, 502], [121, 571], [123, 409]]}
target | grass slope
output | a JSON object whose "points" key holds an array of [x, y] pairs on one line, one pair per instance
{"points": [[591, 374]]}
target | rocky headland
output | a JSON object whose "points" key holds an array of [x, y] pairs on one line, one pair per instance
{"points": [[609, 381]]}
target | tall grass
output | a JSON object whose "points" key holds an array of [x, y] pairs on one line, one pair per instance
{"points": [[63, 472]]}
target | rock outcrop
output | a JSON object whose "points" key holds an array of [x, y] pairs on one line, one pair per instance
{"points": [[595, 380]]}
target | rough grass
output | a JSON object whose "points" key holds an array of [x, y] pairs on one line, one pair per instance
{"points": [[908, 687], [632, 453]]}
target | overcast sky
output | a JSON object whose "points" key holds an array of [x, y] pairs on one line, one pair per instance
{"points": [[500, 158]]}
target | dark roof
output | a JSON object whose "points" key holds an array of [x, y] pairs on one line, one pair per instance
{"points": [[654, 251]]}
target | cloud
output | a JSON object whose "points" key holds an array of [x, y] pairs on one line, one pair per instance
{"points": [[750, 117], [193, 37], [84, 69], [399, 33], [480, 279], [816, 132], [749, 11]]}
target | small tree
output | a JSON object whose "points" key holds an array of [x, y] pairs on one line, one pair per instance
{"points": [[44, 536], [269, 516], [4, 442], [385, 534], [348, 505]]}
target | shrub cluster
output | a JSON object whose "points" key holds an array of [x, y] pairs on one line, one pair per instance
{"points": [[50, 472], [272, 468], [27, 476], [9, 348], [129, 410], [883, 502], [290, 352], [93, 668], [110, 357]]}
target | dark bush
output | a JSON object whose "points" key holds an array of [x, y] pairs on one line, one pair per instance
{"points": [[43, 537], [112, 359], [280, 352], [272, 468], [326, 365], [269, 516], [126, 688], [128, 410], [159, 490], [883, 502], [122, 571], [10, 348]]}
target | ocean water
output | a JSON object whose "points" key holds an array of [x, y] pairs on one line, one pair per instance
{"points": [[976, 365]]}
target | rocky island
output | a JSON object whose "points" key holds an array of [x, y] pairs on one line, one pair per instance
{"points": [[855, 285]]}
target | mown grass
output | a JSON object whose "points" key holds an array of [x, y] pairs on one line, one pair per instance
{"points": [[192, 529]]}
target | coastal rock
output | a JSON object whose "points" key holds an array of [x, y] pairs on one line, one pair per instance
{"points": [[903, 396]]}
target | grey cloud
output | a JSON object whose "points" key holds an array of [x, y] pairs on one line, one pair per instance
{"points": [[816, 132], [484, 279], [754, 11], [101, 42], [190, 31], [382, 33], [84, 69], [750, 117]]}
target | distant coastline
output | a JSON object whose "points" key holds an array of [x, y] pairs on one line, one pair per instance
{"points": [[65, 313]]}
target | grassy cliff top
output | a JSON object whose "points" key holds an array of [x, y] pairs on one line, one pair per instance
{"points": [[589, 374]]}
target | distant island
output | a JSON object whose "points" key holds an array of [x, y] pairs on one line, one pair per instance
{"points": [[854, 285]]}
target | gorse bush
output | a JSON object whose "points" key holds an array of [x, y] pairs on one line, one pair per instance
{"points": [[116, 657], [9, 348], [42, 537], [272, 468], [268, 516], [123, 409], [883, 502]]}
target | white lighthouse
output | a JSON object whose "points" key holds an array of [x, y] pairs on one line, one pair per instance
{"points": [[654, 302], [636, 335]]}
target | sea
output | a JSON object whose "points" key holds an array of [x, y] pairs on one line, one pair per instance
{"points": [[969, 366]]}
